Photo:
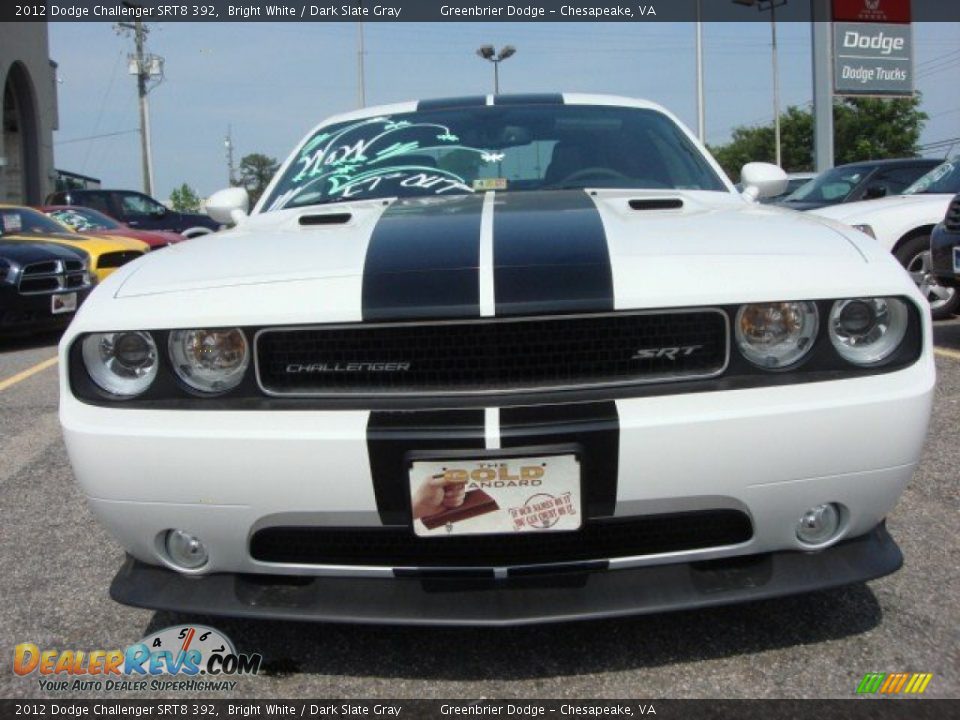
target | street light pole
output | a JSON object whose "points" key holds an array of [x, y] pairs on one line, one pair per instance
{"points": [[701, 124], [488, 52], [772, 5], [776, 82]]}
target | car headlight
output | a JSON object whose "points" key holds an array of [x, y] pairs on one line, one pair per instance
{"points": [[121, 363], [776, 335], [867, 331], [866, 230], [211, 361]]}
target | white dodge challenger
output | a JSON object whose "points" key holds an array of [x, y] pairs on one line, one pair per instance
{"points": [[499, 360]]}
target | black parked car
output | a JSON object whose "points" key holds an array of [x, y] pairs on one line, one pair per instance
{"points": [[41, 285], [136, 210], [945, 246], [866, 180]]}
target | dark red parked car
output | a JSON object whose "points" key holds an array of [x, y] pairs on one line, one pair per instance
{"points": [[88, 220]]}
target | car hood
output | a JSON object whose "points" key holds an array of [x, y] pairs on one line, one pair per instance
{"points": [[497, 254], [855, 212], [800, 204], [287, 246]]}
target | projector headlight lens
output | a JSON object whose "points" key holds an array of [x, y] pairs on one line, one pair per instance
{"points": [[211, 361], [776, 335], [866, 331], [121, 363]]}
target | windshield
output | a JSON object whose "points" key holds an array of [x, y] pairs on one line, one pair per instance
{"points": [[943, 179], [18, 221], [830, 187], [84, 219], [466, 150]]}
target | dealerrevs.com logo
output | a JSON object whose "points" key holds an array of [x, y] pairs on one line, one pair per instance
{"points": [[182, 657]]}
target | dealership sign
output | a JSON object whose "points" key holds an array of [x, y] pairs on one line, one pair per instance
{"points": [[882, 11], [872, 59]]}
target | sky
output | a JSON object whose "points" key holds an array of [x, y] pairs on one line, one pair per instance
{"points": [[271, 83]]}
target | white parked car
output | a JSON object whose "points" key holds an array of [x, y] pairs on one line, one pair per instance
{"points": [[902, 224], [497, 360]]}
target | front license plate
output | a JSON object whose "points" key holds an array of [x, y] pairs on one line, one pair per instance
{"points": [[63, 303], [495, 496]]}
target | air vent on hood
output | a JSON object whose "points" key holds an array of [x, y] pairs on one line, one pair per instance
{"points": [[326, 219], [656, 204]]}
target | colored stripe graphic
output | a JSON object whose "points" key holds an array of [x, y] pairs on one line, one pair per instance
{"points": [[550, 254], [894, 683], [422, 260]]}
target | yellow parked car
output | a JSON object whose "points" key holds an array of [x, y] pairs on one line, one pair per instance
{"points": [[106, 253]]}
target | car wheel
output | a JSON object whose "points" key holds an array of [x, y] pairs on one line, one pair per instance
{"points": [[915, 257], [196, 232]]}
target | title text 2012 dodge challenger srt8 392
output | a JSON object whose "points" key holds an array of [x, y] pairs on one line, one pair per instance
{"points": [[499, 360]]}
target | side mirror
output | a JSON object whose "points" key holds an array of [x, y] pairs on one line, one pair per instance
{"points": [[875, 191], [762, 180], [229, 206]]}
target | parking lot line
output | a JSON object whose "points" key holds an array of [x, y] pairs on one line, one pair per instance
{"points": [[30, 371], [942, 352]]}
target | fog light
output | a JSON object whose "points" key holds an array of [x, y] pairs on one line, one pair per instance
{"points": [[819, 524], [185, 550]]}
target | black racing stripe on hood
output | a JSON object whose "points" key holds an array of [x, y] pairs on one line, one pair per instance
{"points": [[529, 99], [451, 103], [550, 254], [392, 435], [594, 427], [422, 260]]}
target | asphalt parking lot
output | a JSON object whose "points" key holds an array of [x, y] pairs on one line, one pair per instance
{"points": [[56, 564]]}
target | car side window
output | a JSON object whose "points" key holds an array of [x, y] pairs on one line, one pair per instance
{"points": [[895, 180], [97, 201], [137, 204]]}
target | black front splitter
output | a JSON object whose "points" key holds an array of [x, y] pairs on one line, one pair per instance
{"points": [[477, 598]]}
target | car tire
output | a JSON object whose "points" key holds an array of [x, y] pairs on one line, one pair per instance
{"points": [[914, 255], [196, 232]]}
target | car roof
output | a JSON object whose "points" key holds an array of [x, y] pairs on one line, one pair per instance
{"points": [[893, 162]]}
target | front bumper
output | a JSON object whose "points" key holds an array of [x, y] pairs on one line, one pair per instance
{"points": [[945, 256], [25, 313], [478, 599]]}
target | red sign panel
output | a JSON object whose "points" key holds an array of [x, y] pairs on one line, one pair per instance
{"points": [[881, 11]]}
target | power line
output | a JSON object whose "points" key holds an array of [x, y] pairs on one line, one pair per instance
{"points": [[95, 137]]}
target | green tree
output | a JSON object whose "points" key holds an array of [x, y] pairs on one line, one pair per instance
{"points": [[184, 199], [864, 129], [256, 171]]}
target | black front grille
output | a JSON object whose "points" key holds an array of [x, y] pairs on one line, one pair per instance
{"points": [[952, 220], [493, 356], [48, 267], [29, 286], [596, 540], [116, 259]]}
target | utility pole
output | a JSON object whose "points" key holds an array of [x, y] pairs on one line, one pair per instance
{"points": [[144, 66], [228, 144]]}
